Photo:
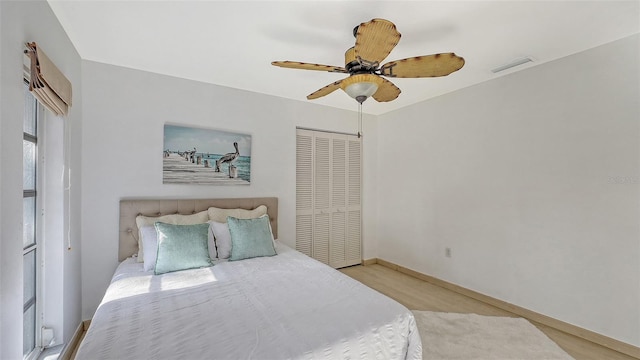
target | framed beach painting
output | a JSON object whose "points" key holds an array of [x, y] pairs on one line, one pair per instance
{"points": [[205, 156]]}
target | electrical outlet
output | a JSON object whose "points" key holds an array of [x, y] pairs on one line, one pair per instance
{"points": [[447, 252]]}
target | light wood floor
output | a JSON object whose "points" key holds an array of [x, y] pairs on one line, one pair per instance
{"points": [[417, 294]]}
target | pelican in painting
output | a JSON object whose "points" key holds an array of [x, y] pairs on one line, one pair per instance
{"points": [[228, 158]]}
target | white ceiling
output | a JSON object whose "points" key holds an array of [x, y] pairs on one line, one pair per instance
{"points": [[232, 43]]}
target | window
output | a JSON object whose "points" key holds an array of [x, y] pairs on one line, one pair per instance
{"points": [[31, 255]]}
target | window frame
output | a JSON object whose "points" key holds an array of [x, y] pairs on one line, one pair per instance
{"points": [[37, 244]]}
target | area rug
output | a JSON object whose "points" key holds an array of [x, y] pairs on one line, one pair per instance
{"points": [[470, 336]]}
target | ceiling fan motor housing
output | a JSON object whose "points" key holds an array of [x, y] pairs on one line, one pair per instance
{"points": [[355, 65]]}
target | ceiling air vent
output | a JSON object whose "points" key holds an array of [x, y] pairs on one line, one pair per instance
{"points": [[512, 64]]}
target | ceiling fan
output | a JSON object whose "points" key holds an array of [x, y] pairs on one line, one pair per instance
{"points": [[374, 41]]}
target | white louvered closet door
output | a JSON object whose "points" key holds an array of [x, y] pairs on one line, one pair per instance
{"points": [[304, 193], [321, 198], [328, 197], [338, 201]]}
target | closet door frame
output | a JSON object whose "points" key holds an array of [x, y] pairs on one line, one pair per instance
{"points": [[328, 197]]}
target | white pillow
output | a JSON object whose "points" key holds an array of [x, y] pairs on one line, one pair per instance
{"points": [[223, 237], [220, 215], [150, 242], [211, 242], [174, 219]]}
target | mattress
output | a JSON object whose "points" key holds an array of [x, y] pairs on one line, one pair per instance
{"points": [[287, 306]]}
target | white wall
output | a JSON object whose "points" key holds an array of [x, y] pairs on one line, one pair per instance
{"points": [[124, 113], [533, 181], [23, 21]]}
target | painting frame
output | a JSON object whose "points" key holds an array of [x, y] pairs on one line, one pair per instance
{"points": [[205, 156]]}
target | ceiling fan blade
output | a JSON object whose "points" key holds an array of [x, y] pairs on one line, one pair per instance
{"points": [[308, 66], [325, 90], [423, 66], [375, 40], [387, 91]]}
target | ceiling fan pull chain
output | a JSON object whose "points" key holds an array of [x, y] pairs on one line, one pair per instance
{"points": [[359, 120]]}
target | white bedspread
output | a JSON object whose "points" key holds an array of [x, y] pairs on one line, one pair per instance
{"points": [[283, 307]]}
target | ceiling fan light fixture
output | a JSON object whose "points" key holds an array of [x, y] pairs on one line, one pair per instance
{"points": [[361, 90], [361, 86]]}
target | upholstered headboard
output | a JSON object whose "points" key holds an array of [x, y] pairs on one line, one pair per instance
{"points": [[130, 208]]}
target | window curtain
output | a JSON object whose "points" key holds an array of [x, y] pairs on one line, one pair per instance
{"points": [[47, 83]]}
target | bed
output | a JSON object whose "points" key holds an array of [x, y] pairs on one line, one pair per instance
{"points": [[286, 306]]}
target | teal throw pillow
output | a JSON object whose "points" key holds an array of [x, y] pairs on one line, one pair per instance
{"points": [[250, 238], [181, 247]]}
